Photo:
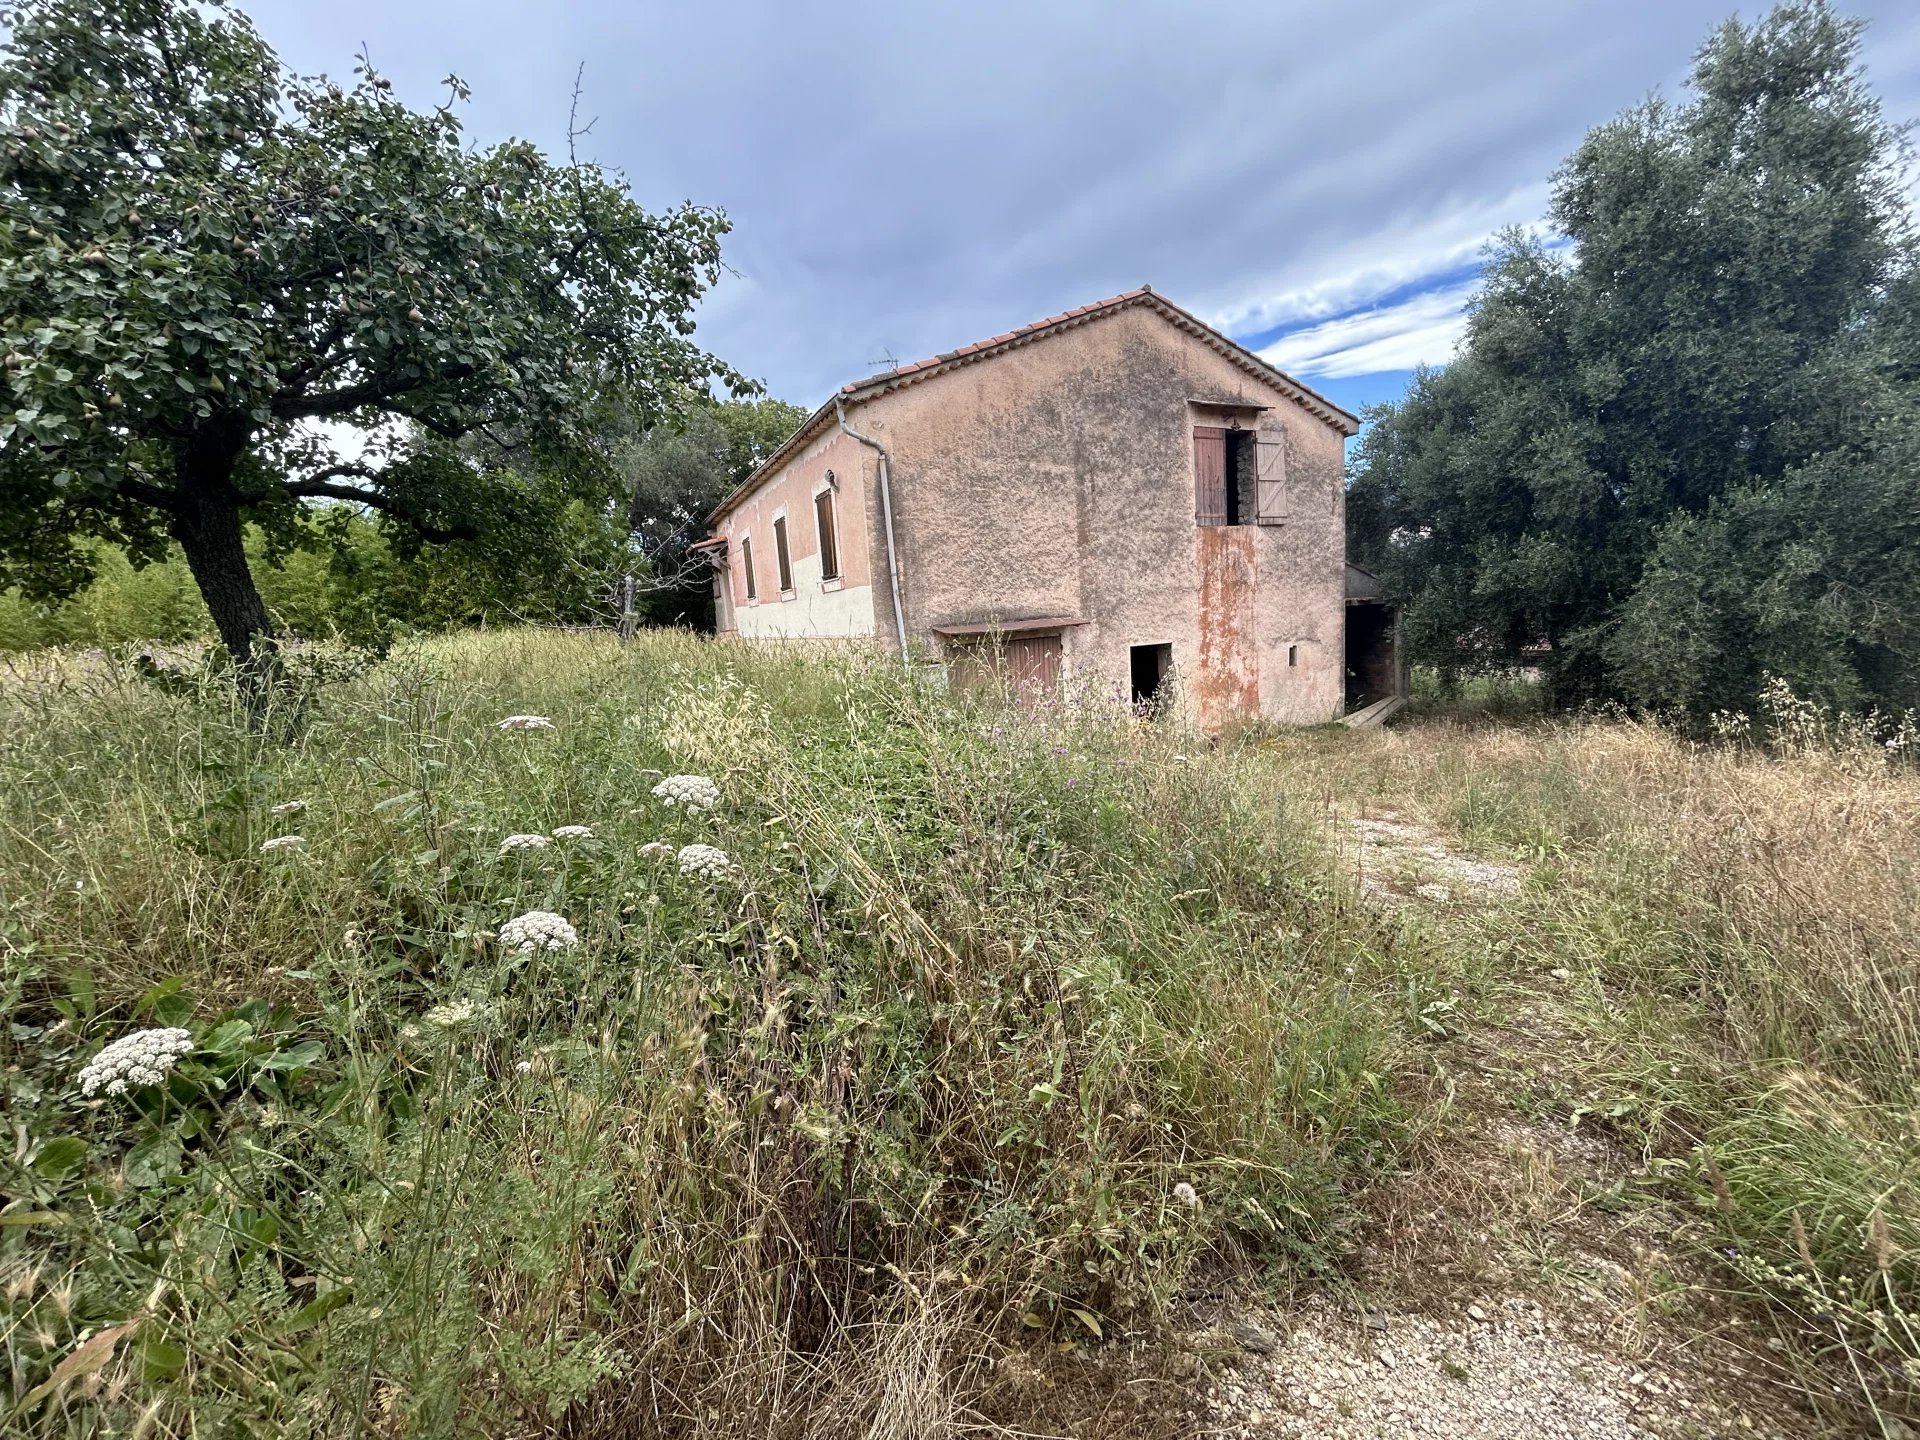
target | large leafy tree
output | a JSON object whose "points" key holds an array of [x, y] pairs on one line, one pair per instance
{"points": [[1645, 452], [670, 478], [212, 269]]}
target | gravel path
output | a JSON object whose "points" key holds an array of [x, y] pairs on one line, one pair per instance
{"points": [[1505, 1370], [1396, 856], [1486, 1367]]}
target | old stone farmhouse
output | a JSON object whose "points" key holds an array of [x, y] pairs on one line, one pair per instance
{"points": [[1115, 498]]}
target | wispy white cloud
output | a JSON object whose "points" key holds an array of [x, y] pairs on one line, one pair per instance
{"points": [[1420, 331], [1406, 252]]}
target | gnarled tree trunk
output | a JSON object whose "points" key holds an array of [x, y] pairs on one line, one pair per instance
{"points": [[207, 523]]}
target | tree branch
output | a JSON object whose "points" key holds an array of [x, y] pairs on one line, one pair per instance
{"points": [[159, 497], [319, 477], [352, 397], [318, 487]]}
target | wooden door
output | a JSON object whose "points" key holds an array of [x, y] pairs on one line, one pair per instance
{"points": [[1033, 665]]}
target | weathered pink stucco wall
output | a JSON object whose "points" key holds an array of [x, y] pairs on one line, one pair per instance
{"points": [[1056, 478], [815, 606]]}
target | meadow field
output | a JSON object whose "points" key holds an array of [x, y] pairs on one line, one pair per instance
{"points": [[947, 1033]]}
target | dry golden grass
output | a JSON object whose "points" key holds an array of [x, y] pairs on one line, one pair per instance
{"points": [[1737, 928]]}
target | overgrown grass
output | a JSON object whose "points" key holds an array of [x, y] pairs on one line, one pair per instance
{"points": [[1739, 928], [786, 1152]]}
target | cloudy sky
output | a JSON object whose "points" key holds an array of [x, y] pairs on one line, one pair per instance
{"points": [[907, 177]]}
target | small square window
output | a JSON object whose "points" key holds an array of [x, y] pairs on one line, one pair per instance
{"points": [[1293, 655]]}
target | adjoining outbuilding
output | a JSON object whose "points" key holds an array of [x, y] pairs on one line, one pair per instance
{"points": [[1119, 497]]}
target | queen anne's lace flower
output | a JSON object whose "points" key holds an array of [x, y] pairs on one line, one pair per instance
{"points": [[282, 842], [142, 1058], [709, 861], [574, 832], [1185, 1196], [656, 850], [527, 722], [454, 1012], [538, 930], [288, 807], [523, 842], [692, 793]]}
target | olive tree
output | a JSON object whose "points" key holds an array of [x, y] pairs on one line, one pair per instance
{"points": [[1678, 450], [214, 272]]}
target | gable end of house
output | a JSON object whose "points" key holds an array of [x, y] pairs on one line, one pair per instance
{"points": [[874, 386]]}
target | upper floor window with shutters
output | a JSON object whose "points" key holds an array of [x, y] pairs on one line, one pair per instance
{"points": [[1239, 477]]}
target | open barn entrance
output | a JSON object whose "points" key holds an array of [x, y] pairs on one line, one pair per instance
{"points": [[1376, 678], [1150, 667], [1373, 671]]}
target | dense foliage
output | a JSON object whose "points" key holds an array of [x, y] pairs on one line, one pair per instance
{"points": [[673, 475], [203, 255], [345, 578], [1679, 442]]}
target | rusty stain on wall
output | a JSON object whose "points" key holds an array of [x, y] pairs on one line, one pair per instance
{"points": [[1226, 683]]}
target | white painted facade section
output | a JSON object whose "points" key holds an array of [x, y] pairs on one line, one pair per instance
{"points": [[815, 611]]}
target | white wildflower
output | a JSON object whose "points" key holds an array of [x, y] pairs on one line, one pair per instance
{"points": [[656, 850], [142, 1058], [1185, 1196], [524, 1067], [692, 793], [523, 842], [527, 722], [574, 832], [409, 1031], [708, 861], [538, 930], [455, 1012], [282, 842], [288, 807]]}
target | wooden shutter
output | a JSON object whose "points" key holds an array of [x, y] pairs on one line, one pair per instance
{"points": [[1209, 475], [782, 561], [746, 564], [1270, 499], [829, 543]]}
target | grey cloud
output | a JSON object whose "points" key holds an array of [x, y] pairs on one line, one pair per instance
{"points": [[906, 178]]}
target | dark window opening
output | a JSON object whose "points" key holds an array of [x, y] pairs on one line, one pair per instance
{"points": [[1151, 665], [782, 561], [1241, 477], [829, 544], [1293, 655], [746, 564]]}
